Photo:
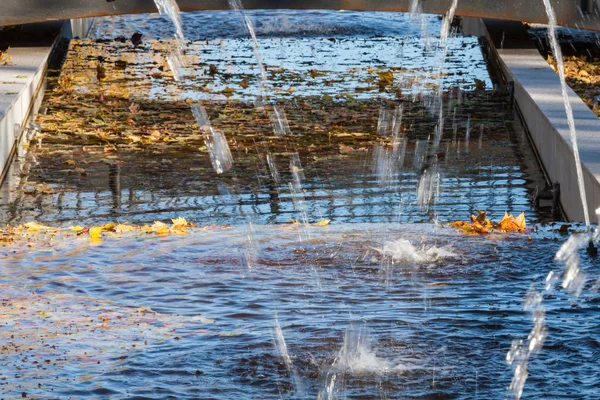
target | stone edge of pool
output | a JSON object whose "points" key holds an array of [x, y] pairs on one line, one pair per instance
{"points": [[22, 82], [539, 104]]}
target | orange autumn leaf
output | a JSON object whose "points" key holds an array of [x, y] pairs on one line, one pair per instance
{"points": [[482, 225], [520, 221], [512, 224]]}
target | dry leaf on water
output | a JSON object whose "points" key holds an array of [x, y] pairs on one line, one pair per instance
{"points": [[122, 228], [158, 228], [95, 233], [512, 224], [179, 225], [35, 227], [482, 225]]}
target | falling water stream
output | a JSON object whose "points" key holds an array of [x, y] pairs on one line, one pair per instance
{"points": [[569, 111], [215, 141], [278, 118], [573, 279]]}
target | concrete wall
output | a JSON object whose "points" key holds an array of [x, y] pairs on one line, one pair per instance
{"points": [[538, 96], [577, 13], [21, 83]]}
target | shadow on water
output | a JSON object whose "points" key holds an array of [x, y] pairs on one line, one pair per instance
{"points": [[100, 161]]}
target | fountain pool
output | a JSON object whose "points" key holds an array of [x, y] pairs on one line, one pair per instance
{"points": [[379, 303]]}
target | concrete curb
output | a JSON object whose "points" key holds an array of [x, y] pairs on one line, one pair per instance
{"points": [[537, 94], [22, 83]]}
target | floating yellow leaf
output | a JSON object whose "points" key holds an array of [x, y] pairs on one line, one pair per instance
{"points": [[109, 227], [512, 224], [35, 227], [323, 222], [179, 224], [76, 228], [121, 228], [158, 228], [520, 221], [95, 233]]}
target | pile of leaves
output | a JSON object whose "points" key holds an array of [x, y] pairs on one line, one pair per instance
{"points": [[482, 225], [33, 230], [583, 76]]}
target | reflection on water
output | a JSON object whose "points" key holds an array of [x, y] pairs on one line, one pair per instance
{"points": [[185, 317], [340, 170], [368, 306]]}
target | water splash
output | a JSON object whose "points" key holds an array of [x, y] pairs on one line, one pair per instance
{"points": [[467, 133], [568, 254], [175, 59], [280, 123], [415, 7], [520, 352], [282, 352], [404, 250], [389, 122], [480, 143], [573, 280], [170, 9], [273, 170], [429, 182], [356, 357], [388, 159], [250, 254], [237, 6], [428, 188], [446, 25]]}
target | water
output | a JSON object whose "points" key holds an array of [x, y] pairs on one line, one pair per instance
{"points": [[212, 333], [214, 140], [381, 303]]}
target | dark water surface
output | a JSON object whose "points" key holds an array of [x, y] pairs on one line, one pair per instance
{"points": [[185, 317], [382, 303]]}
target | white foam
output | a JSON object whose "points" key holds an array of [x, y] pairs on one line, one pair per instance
{"points": [[404, 250]]}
